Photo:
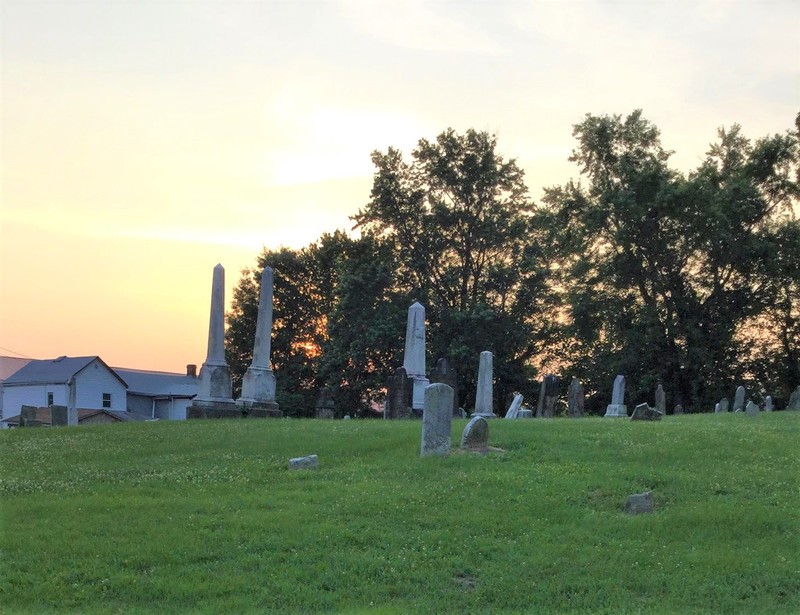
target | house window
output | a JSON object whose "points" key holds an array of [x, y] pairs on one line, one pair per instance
{"points": [[49, 399], [106, 400]]}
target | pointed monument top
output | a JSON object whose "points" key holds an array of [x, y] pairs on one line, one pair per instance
{"points": [[417, 304], [219, 266]]}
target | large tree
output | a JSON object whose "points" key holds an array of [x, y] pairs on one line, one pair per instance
{"points": [[459, 217], [661, 272]]}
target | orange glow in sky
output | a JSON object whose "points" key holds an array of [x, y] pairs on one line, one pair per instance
{"points": [[142, 143]]}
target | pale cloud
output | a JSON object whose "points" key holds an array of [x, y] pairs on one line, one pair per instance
{"points": [[421, 25]]}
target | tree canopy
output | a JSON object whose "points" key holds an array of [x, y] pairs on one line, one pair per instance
{"points": [[690, 280]]}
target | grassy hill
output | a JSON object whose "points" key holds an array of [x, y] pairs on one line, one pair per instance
{"points": [[204, 516]]}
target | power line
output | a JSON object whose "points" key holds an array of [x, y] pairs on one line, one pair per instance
{"points": [[19, 353]]}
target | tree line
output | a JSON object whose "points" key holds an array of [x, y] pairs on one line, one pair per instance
{"points": [[689, 280]]}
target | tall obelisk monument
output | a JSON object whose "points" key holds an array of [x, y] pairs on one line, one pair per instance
{"points": [[258, 385], [214, 391], [414, 355]]}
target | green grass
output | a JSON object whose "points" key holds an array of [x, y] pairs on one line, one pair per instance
{"points": [[204, 516]]}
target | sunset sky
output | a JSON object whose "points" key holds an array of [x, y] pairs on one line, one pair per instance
{"points": [[144, 142]]}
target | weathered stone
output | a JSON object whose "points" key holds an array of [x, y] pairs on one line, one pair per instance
{"points": [[575, 399], [515, 407], [678, 409], [324, 407], [751, 409], [309, 462], [794, 400], [724, 405], [525, 413], [484, 401], [540, 402], [617, 409], [643, 412], [214, 389], [445, 374], [768, 403], [661, 399], [476, 435], [258, 383], [59, 416], [346, 417], [414, 354], [717, 407], [738, 399], [551, 385], [437, 419], [638, 503], [27, 417], [398, 399]]}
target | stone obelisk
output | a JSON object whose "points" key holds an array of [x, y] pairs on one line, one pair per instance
{"points": [[258, 384], [484, 401], [414, 355], [214, 390], [617, 409]]}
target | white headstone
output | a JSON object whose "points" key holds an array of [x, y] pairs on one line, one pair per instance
{"points": [[414, 354], [768, 404], [483, 398], [513, 409], [751, 409], [738, 399], [617, 409]]}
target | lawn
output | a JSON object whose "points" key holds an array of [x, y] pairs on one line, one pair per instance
{"points": [[205, 517]]}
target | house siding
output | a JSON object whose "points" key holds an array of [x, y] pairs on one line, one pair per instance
{"points": [[14, 397], [94, 380]]}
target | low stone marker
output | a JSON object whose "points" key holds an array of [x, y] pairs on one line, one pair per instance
{"points": [[525, 413], [514, 408], [643, 412], [639, 503], [346, 417], [678, 409], [751, 409], [476, 435], [717, 408], [308, 462], [768, 403], [437, 417], [724, 405], [59, 416], [738, 399]]}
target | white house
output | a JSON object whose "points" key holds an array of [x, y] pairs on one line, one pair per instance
{"points": [[160, 395], [75, 382]]}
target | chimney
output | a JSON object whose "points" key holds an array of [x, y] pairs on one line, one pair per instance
{"points": [[191, 370]]}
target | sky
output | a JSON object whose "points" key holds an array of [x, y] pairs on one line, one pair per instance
{"points": [[142, 142]]}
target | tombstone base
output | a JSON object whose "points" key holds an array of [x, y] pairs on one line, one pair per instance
{"points": [[616, 411], [258, 386], [213, 410], [260, 410], [486, 415]]}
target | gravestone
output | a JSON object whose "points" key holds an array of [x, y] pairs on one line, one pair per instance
{"points": [[515, 406], [717, 407], [309, 462], [724, 405], [437, 417], [476, 435], [59, 416], [738, 399], [751, 409], [617, 409], [551, 387], [324, 407], [484, 401], [639, 503], [643, 412], [525, 413], [661, 399], [27, 417], [414, 354], [540, 402], [398, 399], [445, 374], [678, 409], [258, 384], [575, 399], [214, 390], [346, 417], [794, 400], [768, 404]]}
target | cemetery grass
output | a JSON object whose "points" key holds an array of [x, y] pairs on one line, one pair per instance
{"points": [[205, 517]]}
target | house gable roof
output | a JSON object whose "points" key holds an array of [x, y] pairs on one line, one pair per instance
{"points": [[157, 384], [11, 365], [55, 371]]}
